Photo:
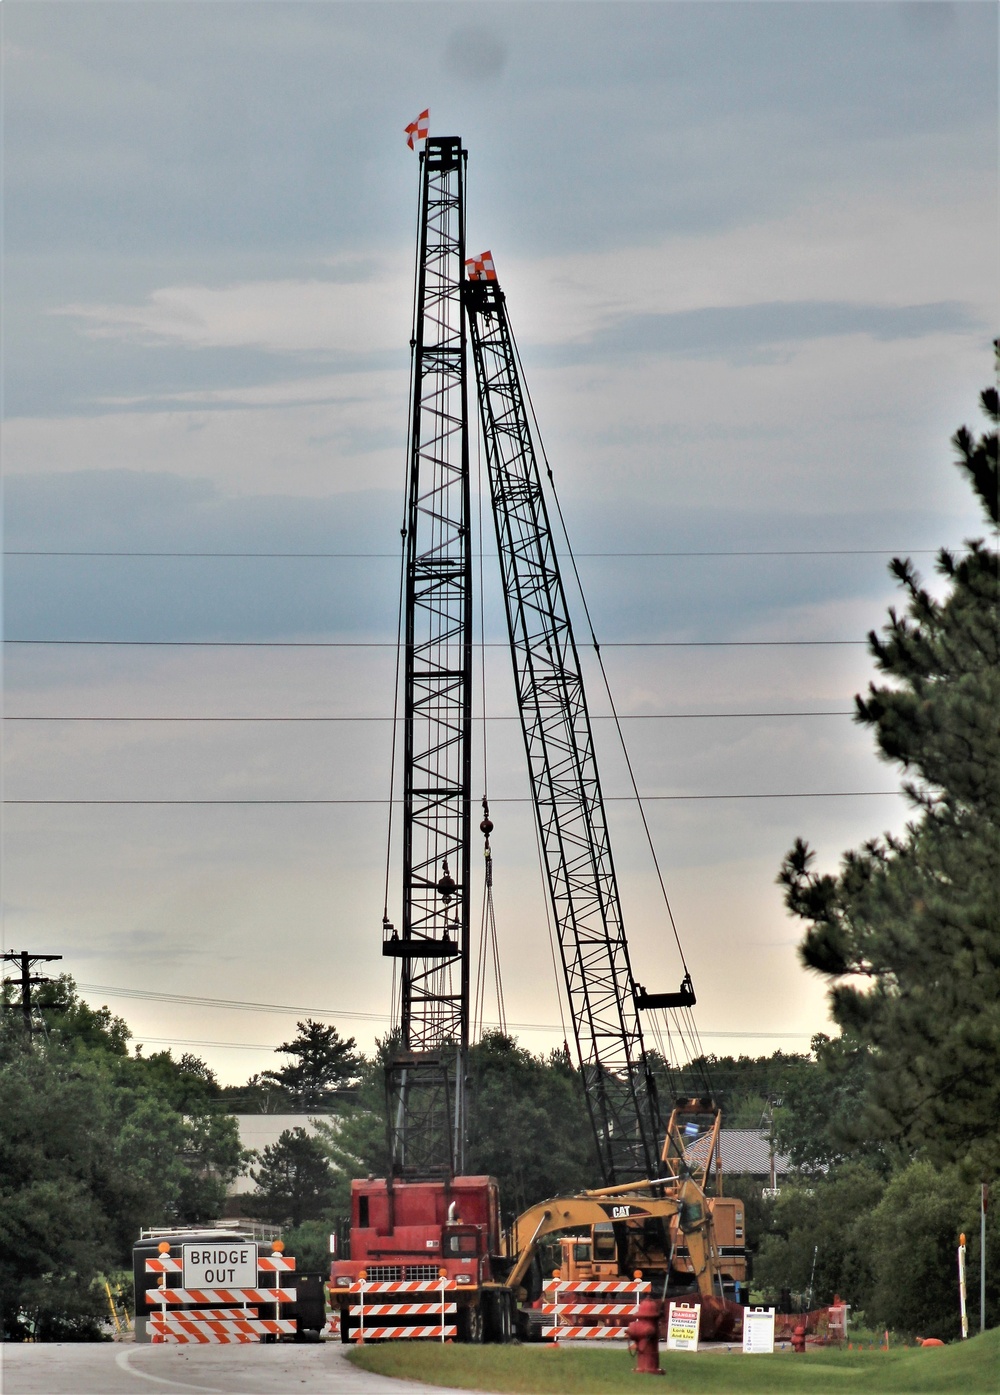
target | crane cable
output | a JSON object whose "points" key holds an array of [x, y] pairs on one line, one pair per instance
{"points": [[489, 948], [607, 685], [395, 1007]]}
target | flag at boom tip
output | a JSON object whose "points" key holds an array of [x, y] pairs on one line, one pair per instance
{"points": [[418, 130]]}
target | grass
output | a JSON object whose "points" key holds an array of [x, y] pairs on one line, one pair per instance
{"points": [[971, 1367]]}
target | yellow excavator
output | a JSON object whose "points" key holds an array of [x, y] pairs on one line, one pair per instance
{"points": [[665, 1230]]}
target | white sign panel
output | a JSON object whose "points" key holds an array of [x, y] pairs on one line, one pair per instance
{"points": [[758, 1329], [217, 1265], [682, 1327]]}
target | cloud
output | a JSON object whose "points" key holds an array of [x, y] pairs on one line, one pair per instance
{"points": [[734, 331], [338, 316]]}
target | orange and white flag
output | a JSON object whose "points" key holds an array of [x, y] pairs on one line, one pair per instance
{"points": [[480, 268], [417, 130]]}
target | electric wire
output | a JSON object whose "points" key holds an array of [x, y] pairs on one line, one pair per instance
{"points": [[383, 556], [253, 1005], [499, 717], [502, 799], [389, 644], [515, 799]]}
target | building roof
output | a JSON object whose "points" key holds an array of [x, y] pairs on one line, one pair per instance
{"points": [[744, 1150]]}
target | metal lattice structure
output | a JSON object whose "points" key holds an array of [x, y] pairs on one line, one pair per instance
{"points": [[558, 739], [425, 1081]]}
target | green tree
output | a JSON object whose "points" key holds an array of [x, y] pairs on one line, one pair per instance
{"points": [[826, 1224], [294, 1182], [821, 1118], [325, 1067], [913, 1233], [354, 1143], [257, 1096], [310, 1244], [528, 1123], [758, 1213], [63, 1018], [917, 917], [93, 1146], [737, 1080]]}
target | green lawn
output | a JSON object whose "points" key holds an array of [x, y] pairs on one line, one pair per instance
{"points": [[971, 1368]]}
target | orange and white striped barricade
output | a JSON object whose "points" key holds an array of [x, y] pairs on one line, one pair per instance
{"points": [[394, 1310], [591, 1310], [231, 1314], [333, 1320]]}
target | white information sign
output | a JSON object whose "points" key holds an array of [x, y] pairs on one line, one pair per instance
{"points": [[682, 1327], [215, 1264], [758, 1329]]}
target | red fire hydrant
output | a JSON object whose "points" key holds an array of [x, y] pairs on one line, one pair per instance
{"points": [[799, 1339], [643, 1333]]}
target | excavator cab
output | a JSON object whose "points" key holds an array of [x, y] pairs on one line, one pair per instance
{"points": [[593, 1256]]}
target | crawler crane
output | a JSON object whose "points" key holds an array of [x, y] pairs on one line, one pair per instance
{"points": [[426, 1252]]}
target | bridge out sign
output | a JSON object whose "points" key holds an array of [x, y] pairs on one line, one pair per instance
{"points": [[215, 1264]]}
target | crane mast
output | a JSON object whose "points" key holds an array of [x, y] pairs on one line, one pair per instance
{"points": [[425, 1079], [569, 806]]}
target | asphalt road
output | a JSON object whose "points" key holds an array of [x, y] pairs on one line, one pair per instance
{"points": [[107, 1368]]}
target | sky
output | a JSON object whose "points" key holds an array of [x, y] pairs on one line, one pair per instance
{"points": [[749, 256]]}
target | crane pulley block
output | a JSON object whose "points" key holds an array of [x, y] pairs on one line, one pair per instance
{"points": [[419, 947], [684, 997]]}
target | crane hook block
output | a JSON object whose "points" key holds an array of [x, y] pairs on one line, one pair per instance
{"points": [[447, 886], [685, 996]]}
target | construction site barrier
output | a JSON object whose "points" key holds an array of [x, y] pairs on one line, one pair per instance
{"points": [[434, 1299], [203, 1327], [595, 1310], [223, 1315]]}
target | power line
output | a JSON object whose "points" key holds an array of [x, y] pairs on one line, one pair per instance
{"points": [[144, 1040], [516, 799], [390, 644], [191, 1041], [605, 717], [242, 1005], [386, 556]]}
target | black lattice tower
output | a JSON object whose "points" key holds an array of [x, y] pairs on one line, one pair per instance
{"points": [[426, 1080], [559, 742]]}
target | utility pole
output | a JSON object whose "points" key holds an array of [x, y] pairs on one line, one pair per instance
{"points": [[982, 1257], [26, 962]]}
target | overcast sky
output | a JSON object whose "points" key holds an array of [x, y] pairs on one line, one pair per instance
{"points": [[749, 255]]}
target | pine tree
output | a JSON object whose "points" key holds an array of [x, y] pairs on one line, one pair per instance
{"points": [[294, 1181], [325, 1066], [917, 917]]}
